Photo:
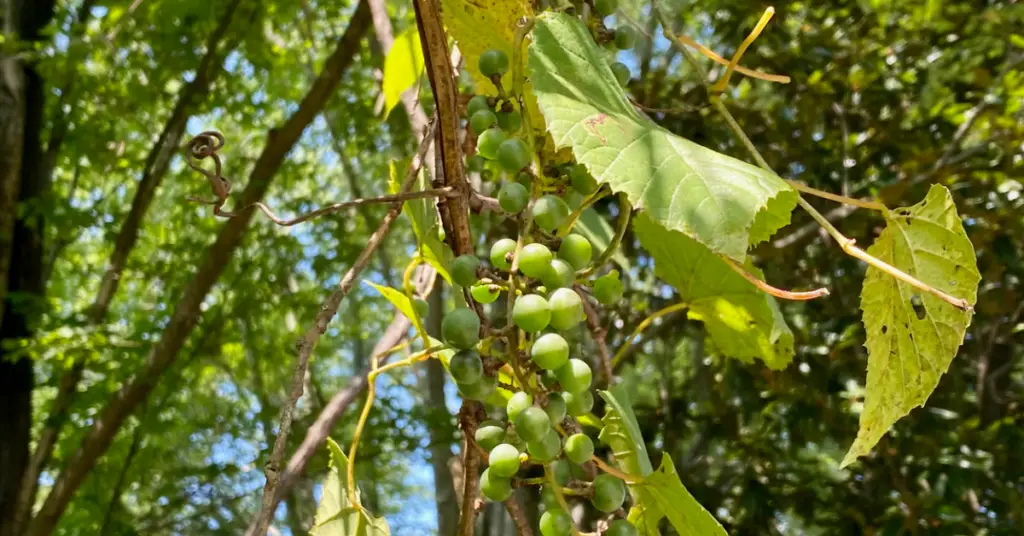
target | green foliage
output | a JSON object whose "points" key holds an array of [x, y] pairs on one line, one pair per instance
{"points": [[403, 66], [336, 514], [662, 494]]}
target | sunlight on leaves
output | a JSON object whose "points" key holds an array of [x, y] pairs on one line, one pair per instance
{"points": [[666, 493], [336, 515], [402, 67]]}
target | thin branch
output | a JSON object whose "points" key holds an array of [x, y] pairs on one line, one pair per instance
{"points": [[723, 83], [308, 342], [628, 478], [862, 203], [393, 198], [627, 344], [598, 333], [777, 292], [518, 517]]}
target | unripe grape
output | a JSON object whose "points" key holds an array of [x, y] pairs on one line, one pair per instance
{"points": [[461, 328], [500, 253], [531, 313], [482, 120], [608, 289], [476, 163], [504, 460], [485, 293], [579, 448], [464, 270], [494, 487], [581, 179], [555, 408], [513, 155], [576, 250], [547, 448], [488, 142], [621, 72], [535, 260], [574, 376], [625, 37], [489, 434], [477, 103], [548, 379], [493, 62], [609, 492], [605, 7], [550, 351], [563, 472], [510, 121], [548, 499], [466, 367], [513, 197], [550, 212], [621, 527], [517, 403], [532, 424], [479, 390], [559, 275], [578, 404], [555, 522], [566, 309]]}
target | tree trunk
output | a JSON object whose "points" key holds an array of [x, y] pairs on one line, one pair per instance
{"points": [[21, 243], [440, 429], [279, 142]]}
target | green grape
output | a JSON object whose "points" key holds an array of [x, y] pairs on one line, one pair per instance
{"points": [[479, 390], [461, 328], [517, 403], [563, 472], [581, 179], [525, 178], [550, 351], [555, 522], [482, 120], [559, 275], [574, 376], [500, 253], [464, 269], [625, 37], [621, 72], [576, 250], [579, 448], [476, 163], [494, 487], [532, 424], [493, 62], [609, 492], [477, 103], [488, 142], [535, 260], [504, 460], [490, 434], [550, 212], [608, 289], [578, 404], [422, 308], [510, 121], [531, 313], [513, 155], [547, 448], [548, 379], [605, 7], [566, 309], [466, 367], [485, 293], [555, 408], [548, 499], [513, 197], [621, 527]]}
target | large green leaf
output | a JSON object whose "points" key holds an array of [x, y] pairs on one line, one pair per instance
{"points": [[425, 223], [336, 515], [913, 336], [721, 202], [742, 321], [662, 491], [402, 67]]}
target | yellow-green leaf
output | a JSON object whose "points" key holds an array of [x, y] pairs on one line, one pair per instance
{"points": [[402, 67], [336, 515], [912, 336], [663, 491]]}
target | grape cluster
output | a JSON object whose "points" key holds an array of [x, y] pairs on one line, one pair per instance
{"points": [[543, 274]]}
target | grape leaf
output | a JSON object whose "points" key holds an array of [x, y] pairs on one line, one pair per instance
{"points": [[396, 297], [622, 433], [425, 223], [662, 490], [913, 336], [336, 515], [743, 322], [402, 67], [717, 200]]}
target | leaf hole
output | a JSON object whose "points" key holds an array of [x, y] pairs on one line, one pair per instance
{"points": [[885, 329], [918, 305]]}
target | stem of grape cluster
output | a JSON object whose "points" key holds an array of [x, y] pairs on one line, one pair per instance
{"points": [[641, 327]]}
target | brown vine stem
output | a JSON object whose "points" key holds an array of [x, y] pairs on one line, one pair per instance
{"points": [[862, 203], [845, 243], [518, 517], [393, 198], [308, 342], [777, 292]]}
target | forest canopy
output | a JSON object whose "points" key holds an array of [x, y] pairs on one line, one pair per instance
{"points": [[494, 267]]}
